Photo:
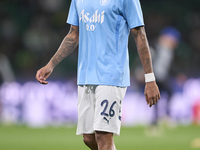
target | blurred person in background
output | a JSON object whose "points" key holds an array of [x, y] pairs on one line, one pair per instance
{"points": [[6, 73], [103, 68], [163, 56]]}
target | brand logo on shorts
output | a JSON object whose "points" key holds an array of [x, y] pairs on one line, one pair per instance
{"points": [[104, 2]]}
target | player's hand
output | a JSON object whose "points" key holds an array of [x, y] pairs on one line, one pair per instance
{"points": [[44, 73], [151, 93]]}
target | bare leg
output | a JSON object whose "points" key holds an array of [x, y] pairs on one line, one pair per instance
{"points": [[105, 140], [90, 141]]}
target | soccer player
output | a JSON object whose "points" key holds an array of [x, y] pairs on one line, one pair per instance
{"points": [[101, 28]]}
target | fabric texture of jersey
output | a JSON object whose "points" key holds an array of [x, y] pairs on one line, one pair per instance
{"points": [[104, 27]]}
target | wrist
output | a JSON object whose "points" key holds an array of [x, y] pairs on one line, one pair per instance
{"points": [[149, 77], [50, 64]]}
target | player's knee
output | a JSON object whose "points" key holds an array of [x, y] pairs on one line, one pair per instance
{"points": [[103, 137], [89, 140], [104, 140], [99, 137]]}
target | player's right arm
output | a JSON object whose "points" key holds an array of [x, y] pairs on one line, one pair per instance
{"points": [[67, 46]]}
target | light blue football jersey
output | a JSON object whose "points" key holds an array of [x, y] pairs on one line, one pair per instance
{"points": [[104, 27]]}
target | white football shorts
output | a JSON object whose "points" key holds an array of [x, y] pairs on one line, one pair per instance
{"points": [[99, 108]]}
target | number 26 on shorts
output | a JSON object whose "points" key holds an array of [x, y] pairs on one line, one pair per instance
{"points": [[111, 113]]}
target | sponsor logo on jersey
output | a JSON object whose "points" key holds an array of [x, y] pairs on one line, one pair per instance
{"points": [[92, 19], [104, 2]]}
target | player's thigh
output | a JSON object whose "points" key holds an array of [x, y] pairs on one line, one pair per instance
{"points": [[86, 99], [108, 108]]}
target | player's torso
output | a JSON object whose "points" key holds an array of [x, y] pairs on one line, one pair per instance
{"points": [[103, 36]]}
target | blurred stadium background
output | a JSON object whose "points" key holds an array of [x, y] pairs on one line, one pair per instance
{"points": [[30, 33]]}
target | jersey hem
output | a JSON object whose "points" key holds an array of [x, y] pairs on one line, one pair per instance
{"points": [[108, 84], [134, 26], [106, 130]]}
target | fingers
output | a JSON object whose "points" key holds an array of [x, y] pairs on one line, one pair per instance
{"points": [[159, 96], [43, 74], [151, 103], [146, 97], [152, 100], [40, 76]]}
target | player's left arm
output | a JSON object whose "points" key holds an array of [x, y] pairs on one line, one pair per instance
{"points": [[152, 93]]}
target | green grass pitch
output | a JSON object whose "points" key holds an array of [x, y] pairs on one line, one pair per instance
{"points": [[131, 138]]}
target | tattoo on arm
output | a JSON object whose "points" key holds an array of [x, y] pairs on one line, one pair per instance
{"points": [[67, 46], [71, 30], [143, 48]]}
